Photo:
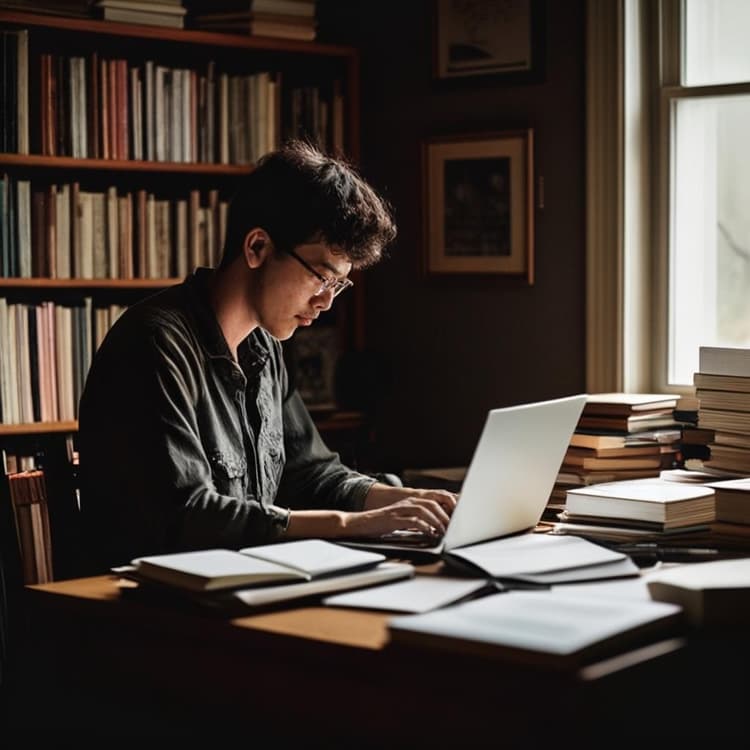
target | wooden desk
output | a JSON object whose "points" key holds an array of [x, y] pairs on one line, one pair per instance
{"points": [[96, 663]]}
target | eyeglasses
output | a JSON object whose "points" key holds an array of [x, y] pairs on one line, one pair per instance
{"points": [[327, 283]]}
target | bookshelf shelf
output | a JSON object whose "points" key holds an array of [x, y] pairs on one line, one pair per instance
{"points": [[183, 36], [66, 163], [38, 428], [78, 283]]}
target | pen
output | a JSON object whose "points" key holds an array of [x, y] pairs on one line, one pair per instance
{"points": [[654, 547], [669, 554]]}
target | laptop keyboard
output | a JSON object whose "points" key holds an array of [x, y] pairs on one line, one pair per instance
{"points": [[412, 538]]}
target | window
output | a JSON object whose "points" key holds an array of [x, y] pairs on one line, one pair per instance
{"points": [[668, 188], [705, 111]]}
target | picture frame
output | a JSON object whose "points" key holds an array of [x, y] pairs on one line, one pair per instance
{"points": [[489, 38], [313, 355], [478, 199]]}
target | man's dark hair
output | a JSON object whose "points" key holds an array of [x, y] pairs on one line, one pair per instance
{"points": [[300, 195]]}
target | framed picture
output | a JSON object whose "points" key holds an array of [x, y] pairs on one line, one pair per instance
{"points": [[478, 204], [314, 353], [488, 37]]}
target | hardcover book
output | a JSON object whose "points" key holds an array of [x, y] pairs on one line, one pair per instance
{"points": [[732, 497], [724, 360], [670, 503], [625, 404], [711, 593]]}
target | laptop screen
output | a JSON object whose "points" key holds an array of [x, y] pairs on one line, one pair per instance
{"points": [[513, 470]]}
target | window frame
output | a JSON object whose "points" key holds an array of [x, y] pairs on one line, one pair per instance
{"points": [[634, 50]]}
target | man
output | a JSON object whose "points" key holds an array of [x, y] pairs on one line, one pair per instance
{"points": [[190, 435]]}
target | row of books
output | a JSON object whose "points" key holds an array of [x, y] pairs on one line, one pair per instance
{"points": [[91, 107], [62, 232], [47, 350], [28, 498]]}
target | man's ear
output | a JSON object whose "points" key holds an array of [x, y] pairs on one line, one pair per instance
{"points": [[256, 247]]}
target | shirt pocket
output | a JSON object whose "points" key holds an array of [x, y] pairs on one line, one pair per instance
{"points": [[229, 472]]}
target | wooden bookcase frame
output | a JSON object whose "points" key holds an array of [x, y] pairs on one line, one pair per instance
{"points": [[350, 323]]}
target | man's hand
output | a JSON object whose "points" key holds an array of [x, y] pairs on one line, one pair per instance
{"points": [[389, 509]]}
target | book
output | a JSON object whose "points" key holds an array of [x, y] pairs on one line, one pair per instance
{"points": [[625, 404], [732, 499], [614, 462], [622, 424], [724, 360], [725, 420], [671, 503], [697, 436], [216, 569], [726, 400], [576, 476], [710, 593], [565, 516], [738, 440], [535, 557], [598, 441], [550, 628], [712, 382], [628, 450], [241, 600], [729, 458]]}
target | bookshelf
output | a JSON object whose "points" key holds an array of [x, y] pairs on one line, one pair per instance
{"points": [[302, 87]]}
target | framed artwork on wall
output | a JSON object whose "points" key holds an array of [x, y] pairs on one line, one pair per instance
{"points": [[478, 204], [313, 353], [488, 37]]}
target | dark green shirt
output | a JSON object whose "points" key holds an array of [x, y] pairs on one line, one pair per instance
{"points": [[183, 448]]}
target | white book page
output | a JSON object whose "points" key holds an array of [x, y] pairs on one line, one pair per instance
{"points": [[535, 553], [213, 564], [315, 557], [419, 594], [537, 621]]}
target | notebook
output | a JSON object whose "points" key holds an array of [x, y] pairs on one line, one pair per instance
{"points": [[509, 479]]}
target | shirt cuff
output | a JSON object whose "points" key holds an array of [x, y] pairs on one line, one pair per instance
{"points": [[279, 518]]}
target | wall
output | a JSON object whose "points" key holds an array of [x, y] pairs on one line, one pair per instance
{"points": [[459, 346]]}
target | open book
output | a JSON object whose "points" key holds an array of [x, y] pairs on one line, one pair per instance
{"points": [[558, 630], [218, 569], [541, 559]]}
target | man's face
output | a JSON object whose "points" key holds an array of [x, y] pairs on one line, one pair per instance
{"points": [[295, 290]]}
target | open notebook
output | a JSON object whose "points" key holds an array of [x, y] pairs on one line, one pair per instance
{"points": [[509, 480]]}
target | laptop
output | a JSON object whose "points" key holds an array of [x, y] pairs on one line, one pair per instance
{"points": [[509, 480]]}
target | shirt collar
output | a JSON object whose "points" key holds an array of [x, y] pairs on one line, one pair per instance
{"points": [[252, 351]]}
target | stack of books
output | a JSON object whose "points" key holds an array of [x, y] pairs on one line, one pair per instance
{"points": [[638, 510], [722, 385], [169, 13], [287, 19], [619, 436]]}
